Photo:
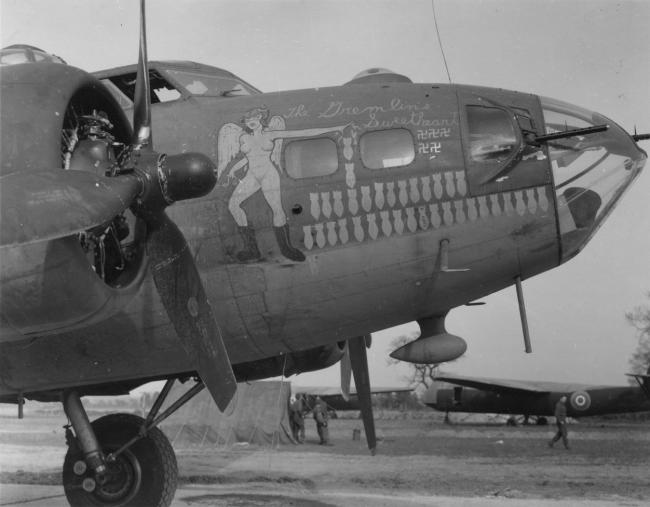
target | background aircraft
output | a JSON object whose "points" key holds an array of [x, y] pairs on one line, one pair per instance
{"points": [[335, 399], [533, 398], [333, 213]]}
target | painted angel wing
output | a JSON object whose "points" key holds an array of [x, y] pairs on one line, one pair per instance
{"points": [[227, 146], [277, 123]]}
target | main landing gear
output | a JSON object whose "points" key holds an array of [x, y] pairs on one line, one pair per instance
{"points": [[120, 459], [143, 474]]}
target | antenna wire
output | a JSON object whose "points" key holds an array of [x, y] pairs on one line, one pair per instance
{"points": [[435, 21]]}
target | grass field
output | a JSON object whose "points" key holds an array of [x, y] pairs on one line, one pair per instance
{"points": [[417, 453]]}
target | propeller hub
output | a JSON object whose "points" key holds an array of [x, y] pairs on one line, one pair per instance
{"points": [[165, 179], [186, 176]]}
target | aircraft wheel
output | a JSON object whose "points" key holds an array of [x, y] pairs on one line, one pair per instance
{"points": [[145, 474]]}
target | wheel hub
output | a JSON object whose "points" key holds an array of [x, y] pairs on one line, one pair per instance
{"points": [[121, 481]]}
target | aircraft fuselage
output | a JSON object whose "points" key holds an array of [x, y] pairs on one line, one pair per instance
{"points": [[326, 222], [587, 402]]}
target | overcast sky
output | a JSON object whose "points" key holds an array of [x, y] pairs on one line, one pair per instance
{"points": [[595, 54]]}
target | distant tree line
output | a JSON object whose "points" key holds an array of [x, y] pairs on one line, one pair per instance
{"points": [[640, 319], [397, 401]]}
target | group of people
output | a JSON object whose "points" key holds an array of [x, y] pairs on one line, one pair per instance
{"points": [[298, 409]]}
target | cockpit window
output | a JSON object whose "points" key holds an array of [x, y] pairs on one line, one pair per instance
{"points": [[170, 84], [209, 85], [492, 134], [161, 89]]}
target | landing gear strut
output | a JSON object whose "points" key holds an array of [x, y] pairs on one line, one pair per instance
{"points": [[120, 459]]}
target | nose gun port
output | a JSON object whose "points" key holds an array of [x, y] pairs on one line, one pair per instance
{"points": [[594, 161]]}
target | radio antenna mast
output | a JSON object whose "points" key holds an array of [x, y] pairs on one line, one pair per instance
{"points": [[435, 22]]}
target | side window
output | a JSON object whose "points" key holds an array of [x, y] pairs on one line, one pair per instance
{"points": [[495, 128], [310, 158], [387, 148], [491, 133]]}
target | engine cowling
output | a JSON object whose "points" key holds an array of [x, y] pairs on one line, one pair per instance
{"points": [[37, 99], [59, 280]]}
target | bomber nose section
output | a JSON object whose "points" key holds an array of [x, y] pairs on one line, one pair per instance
{"points": [[590, 171]]}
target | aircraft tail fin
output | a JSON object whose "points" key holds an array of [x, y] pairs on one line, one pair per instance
{"points": [[430, 396], [643, 381]]}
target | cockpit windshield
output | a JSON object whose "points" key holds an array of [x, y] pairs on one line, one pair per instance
{"points": [[209, 85], [590, 171]]}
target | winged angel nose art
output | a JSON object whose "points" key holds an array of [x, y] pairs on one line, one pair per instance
{"points": [[251, 153]]}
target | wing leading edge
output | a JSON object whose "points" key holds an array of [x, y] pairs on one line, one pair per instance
{"points": [[511, 386]]}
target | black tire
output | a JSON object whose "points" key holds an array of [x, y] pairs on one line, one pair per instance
{"points": [[144, 475]]}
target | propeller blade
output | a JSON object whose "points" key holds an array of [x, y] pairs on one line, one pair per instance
{"points": [[181, 290], [55, 204], [177, 279], [142, 99], [346, 373], [359, 362]]}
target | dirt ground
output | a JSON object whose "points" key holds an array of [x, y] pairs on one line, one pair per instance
{"points": [[417, 454]]}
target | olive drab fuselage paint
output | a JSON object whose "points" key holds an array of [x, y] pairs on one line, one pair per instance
{"points": [[326, 220]]}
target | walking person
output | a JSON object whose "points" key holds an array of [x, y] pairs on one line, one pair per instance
{"points": [[560, 420]]}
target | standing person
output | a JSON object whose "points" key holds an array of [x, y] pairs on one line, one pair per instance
{"points": [[292, 418], [303, 411], [298, 419], [321, 416], [560, 420]]}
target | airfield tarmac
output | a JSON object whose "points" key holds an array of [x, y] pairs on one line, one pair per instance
{"points": [[420, 461]]}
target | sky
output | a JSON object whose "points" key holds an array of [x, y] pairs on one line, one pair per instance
{"points": [[595, 54]]}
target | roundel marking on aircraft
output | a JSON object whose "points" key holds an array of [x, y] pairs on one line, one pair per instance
{"points": [[580, 400]]}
